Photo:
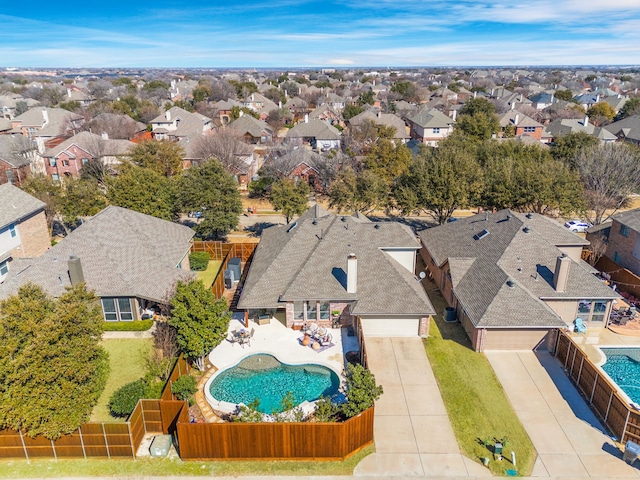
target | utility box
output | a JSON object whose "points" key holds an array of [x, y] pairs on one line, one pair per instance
{"points": [[228, 278], [160, 446], [235, 266], [631, 452]]}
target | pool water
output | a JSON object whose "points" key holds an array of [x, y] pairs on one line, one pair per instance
{"points": [[265, 378], [623, 366]]}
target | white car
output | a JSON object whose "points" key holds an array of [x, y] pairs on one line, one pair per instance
{"points": [[577, 226]]}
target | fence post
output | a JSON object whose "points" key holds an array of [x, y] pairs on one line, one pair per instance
{"points": [[106, 442], [608, 407], [573, 361], [53, 447], [133, 451], [624, 429], [144, 420], [24, 446], [84, 452], [593, 390], [580, 373]]}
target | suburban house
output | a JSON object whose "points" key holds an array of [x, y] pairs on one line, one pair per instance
{"points": [[225, 109], [17, 153], [542, 100], [131, 270], [260, 104], [253, 130], [564, 126], [325, 268], [327, 114], [176, 123], [23, 227], [623, 245], [68, 158], [513, 278], [333, 101], [318, 134], [47, 126], [430, 126], [301, 164], [383, 119], [627, 129], [521, 124]]}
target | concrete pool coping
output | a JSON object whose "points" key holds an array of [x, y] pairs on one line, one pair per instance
{"points": [[281, 342]]}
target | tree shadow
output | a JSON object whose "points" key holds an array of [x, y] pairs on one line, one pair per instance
{"points": [[257, 228]]}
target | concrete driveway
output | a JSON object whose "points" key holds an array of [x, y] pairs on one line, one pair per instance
{"points": [[569, 439], [412, 431]]}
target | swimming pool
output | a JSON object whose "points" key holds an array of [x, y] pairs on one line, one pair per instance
{"points": [[623, 366], [264, 377]]}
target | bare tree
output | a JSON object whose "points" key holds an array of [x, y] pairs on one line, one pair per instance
{"points": [[115, 126], [597, 248], [222, 90], [225, 144], [610, 173]]}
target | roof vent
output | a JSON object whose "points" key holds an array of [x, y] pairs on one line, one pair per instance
{"points": [[481, 234], [509, 216], [511, 283], [293, 225], [377, 226], [315, 221], [526, 229], [529, 215], [344, 219]]}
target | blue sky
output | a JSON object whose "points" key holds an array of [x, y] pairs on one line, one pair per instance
{"points": [[298, 33]]}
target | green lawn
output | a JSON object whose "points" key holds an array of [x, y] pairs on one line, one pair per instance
{"points": [[477, 405], [127, 362], [165, 467], [209, 275]]}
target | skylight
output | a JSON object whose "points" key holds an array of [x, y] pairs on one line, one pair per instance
{"points": [[481, 234]]}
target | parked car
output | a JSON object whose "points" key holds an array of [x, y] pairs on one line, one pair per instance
{"points": [[577, 226]]}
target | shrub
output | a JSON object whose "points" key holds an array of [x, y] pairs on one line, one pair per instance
{"points": [[136, 326], [184, 387], [199, 261], [362, 390], [124, 400]]}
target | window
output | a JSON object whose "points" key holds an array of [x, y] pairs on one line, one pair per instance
{"points": [[85, 161], [592, 310], [117, 309], [4, 268], [52, 162], [624, 230], [616, 257], [55, 176], [312, 311], [529, 129], [298, 310], [12, 229], [65, 163], [324, 311], [436, 130]]}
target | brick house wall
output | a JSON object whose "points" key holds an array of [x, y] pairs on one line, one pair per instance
{"points": [[67, 163], [537, 134], [34, 236], [16, 176], [624, 247]]}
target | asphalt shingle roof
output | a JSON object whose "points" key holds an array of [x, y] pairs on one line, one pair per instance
{"points": [[122, 252], [520, 248], [16, 204], [309, 261]]}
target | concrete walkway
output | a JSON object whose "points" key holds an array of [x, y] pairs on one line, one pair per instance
{"points": [[569, 439], [412, 431]]}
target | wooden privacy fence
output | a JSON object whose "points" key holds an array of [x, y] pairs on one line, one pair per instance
{"points": [[95, 439], [627, 280], [599, 392], [274, 441], [224, 252], [180, 368]]}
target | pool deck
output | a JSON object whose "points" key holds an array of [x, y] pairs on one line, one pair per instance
{"points": [[599, 337], [283, 343]]}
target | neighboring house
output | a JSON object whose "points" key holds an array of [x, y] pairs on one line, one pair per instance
{"points": [[324, 265], [326, 114], [301, 164], [564, 126], [616, 102], [383, 119], [260, 104], [131, 260], [47, 126], [522, 124], [9, 104], [318, 134], [182, 89], [623, 246], [225, 108], [74, 94], [253, 130], [333, 101], [16, 156], [587, 100], [176, 123], [513, 279], [430, 126], [627, 129], [542, 100], [297, 107], [23, 227], [68, 158]]}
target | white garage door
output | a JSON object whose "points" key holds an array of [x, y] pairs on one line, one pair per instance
{"points": [[390, 327]]}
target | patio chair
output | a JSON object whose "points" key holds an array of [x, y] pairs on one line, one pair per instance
{"points": [[580, 327], [233, 338]]}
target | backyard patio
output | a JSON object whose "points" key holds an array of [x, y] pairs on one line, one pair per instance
{"points": [[274, 339]]}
